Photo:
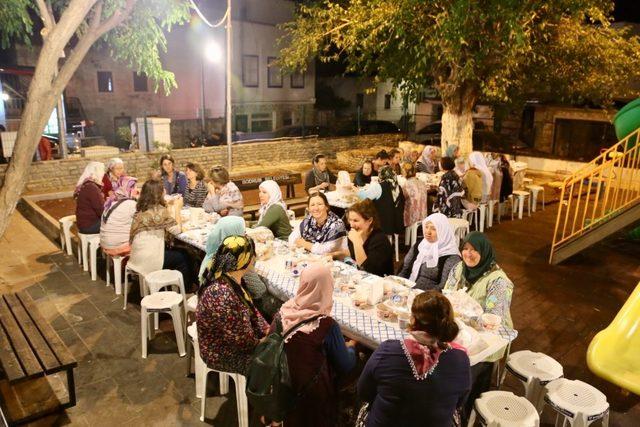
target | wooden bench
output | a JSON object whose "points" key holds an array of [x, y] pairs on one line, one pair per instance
{"points": [[252, 182], [293, 204], [29, 350]]}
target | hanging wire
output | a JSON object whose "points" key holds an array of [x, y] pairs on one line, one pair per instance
{"points": [[206, 21]]}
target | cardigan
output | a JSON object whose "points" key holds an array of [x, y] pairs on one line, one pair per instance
{"points": [[390, 212], [397, 398], [194, 198], [89, 205], [429, 278], [276, 220], [379, 254]]}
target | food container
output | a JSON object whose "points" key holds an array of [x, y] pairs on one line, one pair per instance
{"points": [[490, 322], [385, 313]]}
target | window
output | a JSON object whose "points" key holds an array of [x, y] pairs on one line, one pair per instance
{"points": [[242, 123], [139, 82], [360, 100], [261, 122], [105, 81], [297, 81], [387, 101], [274, 75], [287, 118], [250, 71]]}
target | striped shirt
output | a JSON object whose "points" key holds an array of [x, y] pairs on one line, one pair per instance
{"points": [[194, 198]]}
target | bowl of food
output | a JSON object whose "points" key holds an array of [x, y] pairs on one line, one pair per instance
{"points": [[385, 313]]}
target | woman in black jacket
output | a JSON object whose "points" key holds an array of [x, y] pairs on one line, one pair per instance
{"points": [[390, 205]]}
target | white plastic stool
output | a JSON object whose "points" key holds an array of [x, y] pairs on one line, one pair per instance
{"points": [[411, 234], [460, 227], [522, 195], [161, 279], [535, 189], [162, 302], [89, 243], [535, 370], [504, 409], [201, 368], [66, 222], [490, 212], [117, 271], [192, 305], [132, 269], [578, 402], [241, 395], [511, 200], [393, 239]]}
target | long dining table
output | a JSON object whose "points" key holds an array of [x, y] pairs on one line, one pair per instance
{"points": [[361, 325]]}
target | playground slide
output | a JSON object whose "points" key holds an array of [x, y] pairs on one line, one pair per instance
{"points": [[614, 353]]}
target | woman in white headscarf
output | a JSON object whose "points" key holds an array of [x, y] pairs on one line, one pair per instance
{"points": [[429, 262], [477, 161], [273, 210], [429, 160], [89, 198]]}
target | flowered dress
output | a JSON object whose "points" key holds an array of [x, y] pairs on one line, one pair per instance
{"points": [[415, 201]]}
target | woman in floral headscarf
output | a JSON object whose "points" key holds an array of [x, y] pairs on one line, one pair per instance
{"points": [[117, 217], [229, 324]]}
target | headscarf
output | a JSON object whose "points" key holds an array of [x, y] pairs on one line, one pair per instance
{"points": [[477, 160], [331, 230], [225, 227], [429, 253], [314, 297], [424, 353], [426, 159], [388, 175], [122, 191], [451, 151], [235, 253], [481, 244], [275, 196], [94, 171]]}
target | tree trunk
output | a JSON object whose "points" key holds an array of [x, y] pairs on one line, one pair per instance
{"points": [[457, 120]]}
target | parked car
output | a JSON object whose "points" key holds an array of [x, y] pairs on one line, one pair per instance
{"points": [[483, 138]]}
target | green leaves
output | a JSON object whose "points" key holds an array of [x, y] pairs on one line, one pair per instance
{"points": [[15, 23]]}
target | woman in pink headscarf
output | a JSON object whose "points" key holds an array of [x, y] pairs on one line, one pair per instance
{"points": [[316, 351], [117, 217]]}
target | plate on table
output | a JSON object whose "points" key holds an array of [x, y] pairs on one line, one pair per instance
{"points": [[397, 280]]}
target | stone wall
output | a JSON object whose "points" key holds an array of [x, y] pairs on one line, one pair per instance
{"points": [[60, 175]]}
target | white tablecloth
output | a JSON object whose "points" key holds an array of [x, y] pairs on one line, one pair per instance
{"points": [[334, 200]]}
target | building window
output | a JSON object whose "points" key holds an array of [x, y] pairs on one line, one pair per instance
{"points": [[242, 123], [360, 100], [105, 81], [297, 81], [274, 75], [250, 71], [261, 122], [139, 82], [287, 118], [387, 101]]}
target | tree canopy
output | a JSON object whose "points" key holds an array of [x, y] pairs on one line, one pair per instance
{"points": [[496, 50]]}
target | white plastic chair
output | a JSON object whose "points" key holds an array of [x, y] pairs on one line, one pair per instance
{"points": [[460, 227], [535, 189], [132, 269], [162, 302], [116, 261], [504, 409], [161, 279], [490, 212], [201, 370], [521, 196], [579, 403], [241, 395], [89, 243], [66, 222], [411, 234], [191, 306], [534, 370]]}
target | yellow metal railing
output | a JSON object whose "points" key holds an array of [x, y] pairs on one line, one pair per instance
{"points": [[604, 187]]}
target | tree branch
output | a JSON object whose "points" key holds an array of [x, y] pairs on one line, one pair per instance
{"points": [[97, 15], [117, 18], [46, 17]]}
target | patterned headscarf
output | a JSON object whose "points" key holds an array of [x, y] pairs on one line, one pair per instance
{"points": [[275, 196], [451, 151], [388, 175], [125, 185], [227, 226], [481, 244], [332, 229]]}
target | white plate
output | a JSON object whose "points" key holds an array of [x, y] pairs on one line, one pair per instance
{"points": [[401, 281]]}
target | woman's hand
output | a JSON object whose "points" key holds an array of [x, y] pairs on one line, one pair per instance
{"points": [[355, 237], [301, 243], [224, 212]]}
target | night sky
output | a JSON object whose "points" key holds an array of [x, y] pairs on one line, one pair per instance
{"points": [[627, 10]]}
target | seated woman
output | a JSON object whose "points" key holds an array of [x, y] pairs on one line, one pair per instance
{"points": [[118, 216], [429, 160], [429, 262], [472, 184], [506, 186], [453, 152], [390, 204], [415, 196], [478, 162], [174, 181], [316, 351], [322, 231], [150, 223], [196, 190], [363, 176], [115, 170], [273, 210], [368, 245], [229, 325], [450, 191], [319, 177], [422, 379], [488, 284], [224, 196], [89, 198]]}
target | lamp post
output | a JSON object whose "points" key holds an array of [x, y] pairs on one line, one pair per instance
{"points": [[228, 77], [212, 54]]}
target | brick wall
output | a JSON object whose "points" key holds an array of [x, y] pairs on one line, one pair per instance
{"points": [[60, 175]]}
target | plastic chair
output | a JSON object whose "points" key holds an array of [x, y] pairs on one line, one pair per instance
{"points": [[613, 352], [89, 243], [521, 196], [504, 409], [490, 212], [411, 234], [162, 302], [66, 222], [241, 395], [201, 370], [534, 370], [460, 227], [117, 271], [132, 269], [535, 189], [578, 402], [191, 306], [161, 279]]}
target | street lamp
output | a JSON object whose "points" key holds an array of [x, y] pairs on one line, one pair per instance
{"points": [[5, 96], [213, 54]]}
